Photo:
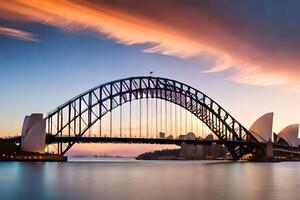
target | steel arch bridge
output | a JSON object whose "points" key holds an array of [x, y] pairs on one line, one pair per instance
{"points": [[68, 123]]}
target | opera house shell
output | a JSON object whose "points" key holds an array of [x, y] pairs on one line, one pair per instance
{"points": [[261, 129], [33, 133], [289, 135]]}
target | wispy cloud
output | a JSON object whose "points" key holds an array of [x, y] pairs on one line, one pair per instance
{"points": [[18, 34], [259, 44]]}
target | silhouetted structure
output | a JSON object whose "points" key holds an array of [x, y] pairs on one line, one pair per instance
{"points": [[67, 124]]}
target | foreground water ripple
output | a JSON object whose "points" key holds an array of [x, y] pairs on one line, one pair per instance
{"points": [[149, 180]]}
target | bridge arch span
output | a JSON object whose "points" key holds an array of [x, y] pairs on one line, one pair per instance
{"points": [[79, 114]]}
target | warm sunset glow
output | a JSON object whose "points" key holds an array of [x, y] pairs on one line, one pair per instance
{"points": [[176, 36], [246, 60], [149, 99]]}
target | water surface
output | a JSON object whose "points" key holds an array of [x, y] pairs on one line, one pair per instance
{"points": [[149, 180]]}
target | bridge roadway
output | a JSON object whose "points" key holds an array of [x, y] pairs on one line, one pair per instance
{"points": [[53, 140], [178, 142], [56, 140]]}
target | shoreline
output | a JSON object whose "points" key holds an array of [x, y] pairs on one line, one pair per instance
{"points": [[34, 158]]}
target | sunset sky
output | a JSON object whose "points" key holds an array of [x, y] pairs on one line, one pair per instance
{"points": [[243, 54]]}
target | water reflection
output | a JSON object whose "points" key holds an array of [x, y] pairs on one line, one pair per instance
{"points": [[149, 180]]}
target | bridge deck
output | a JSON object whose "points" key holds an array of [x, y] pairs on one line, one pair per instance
{"points": [[55, 140], [142, 141]]}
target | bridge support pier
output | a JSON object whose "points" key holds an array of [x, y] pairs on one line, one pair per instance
{"points": [[266, 153], [269, 151]]}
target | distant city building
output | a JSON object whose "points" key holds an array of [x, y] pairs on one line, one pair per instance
{"points": [[190, 136], [182, 137], [209, 137], [192, 151], [162, 135], [170, 137]]}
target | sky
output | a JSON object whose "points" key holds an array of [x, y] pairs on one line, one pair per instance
{"points": [[243, 54]]}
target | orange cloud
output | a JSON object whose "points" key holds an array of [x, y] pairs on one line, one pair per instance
{"points": [[18, 34], [256, 52]]}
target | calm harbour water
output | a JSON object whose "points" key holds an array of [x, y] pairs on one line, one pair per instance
{"points": [[149, 180]]}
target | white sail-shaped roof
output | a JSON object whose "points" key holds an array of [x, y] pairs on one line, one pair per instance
{"points": [[33, 133], [25, 125], [35, 138], [261, 129], [290, 135]]}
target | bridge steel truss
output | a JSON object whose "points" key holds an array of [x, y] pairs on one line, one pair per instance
{"points": [[75, 117]]}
